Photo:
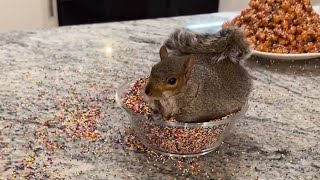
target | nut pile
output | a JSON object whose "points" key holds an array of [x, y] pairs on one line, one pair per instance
{"points": [[177, 140], [280, 26]]}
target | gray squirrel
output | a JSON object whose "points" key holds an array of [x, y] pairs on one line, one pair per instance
{"points": [[202, 78]]}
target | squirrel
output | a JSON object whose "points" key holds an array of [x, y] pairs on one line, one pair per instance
{"points": [[202, 78]]}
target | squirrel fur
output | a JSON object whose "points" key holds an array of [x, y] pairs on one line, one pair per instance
{"points": [[229, 43], [201, 78]]}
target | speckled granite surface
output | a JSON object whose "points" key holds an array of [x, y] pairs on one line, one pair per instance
{"points": [[52, 80]]}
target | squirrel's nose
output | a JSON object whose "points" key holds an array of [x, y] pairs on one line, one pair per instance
{"points": [[147, 91]]}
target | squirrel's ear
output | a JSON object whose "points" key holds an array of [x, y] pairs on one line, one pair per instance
{"points": [[188, 66], [163, 52]]}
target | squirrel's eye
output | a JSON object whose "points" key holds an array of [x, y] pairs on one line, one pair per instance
{"points": [[172, 81]]}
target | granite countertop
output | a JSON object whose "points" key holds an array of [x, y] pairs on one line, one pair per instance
{"points": [[59, 119]]}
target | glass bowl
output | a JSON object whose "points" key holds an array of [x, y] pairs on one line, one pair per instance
{"points": [[176, 138]]}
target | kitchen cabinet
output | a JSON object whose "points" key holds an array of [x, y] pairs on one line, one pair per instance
{"points": [[73, 12]]}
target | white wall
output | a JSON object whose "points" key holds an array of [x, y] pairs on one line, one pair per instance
{"points": [[238, 5], [233, 5], [26, 14]]}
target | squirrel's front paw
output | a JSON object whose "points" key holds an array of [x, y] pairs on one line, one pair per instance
{"points": [[185, 119], [179, 118], [155, 114]]}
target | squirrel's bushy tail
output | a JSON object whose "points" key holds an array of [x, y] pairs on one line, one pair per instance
{"points": [[229, 43]]}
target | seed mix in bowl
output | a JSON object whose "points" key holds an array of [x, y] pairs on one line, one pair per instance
{"points": [[170, 139]]}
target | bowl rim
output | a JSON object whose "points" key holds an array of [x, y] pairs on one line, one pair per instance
{"points": [[124, 87]]}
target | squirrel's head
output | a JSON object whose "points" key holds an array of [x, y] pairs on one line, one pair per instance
{"points": [[169, 75]]}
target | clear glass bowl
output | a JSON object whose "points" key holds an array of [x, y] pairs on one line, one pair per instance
{"points": [[176, 138]]}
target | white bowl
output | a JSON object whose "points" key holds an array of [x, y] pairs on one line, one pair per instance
{"points": [[278, 56], [215, 24]]}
